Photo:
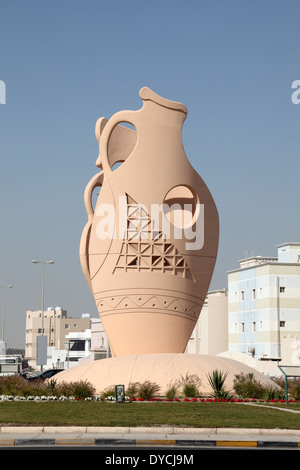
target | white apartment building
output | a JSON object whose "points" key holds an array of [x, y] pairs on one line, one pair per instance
{"points": [[210, 335], [264, 307], [55, 324], [99, 343], [75, 348]]}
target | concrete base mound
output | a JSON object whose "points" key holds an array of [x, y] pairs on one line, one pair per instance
{"points": [[163, 369]]}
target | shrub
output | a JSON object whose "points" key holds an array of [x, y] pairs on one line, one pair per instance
{"points": [[15, 385], [79, 389], [62, 389], [83, 389], [132, 389], [11, 385], [190, 390], [171, 392], [36, 388], [147, 389], [190, 385], [294, 388], [273, 394], [108, 392], [51, 385], [246, 386], [172, 389], [216, 380]]}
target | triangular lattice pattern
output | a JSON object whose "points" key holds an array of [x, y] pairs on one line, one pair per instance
{"points": [[144, 250]]}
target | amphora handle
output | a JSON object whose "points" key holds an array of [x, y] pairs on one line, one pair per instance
{"points": [[95, 182], [121, 116]]}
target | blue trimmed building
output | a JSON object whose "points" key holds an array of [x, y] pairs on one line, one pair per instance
{"points": [[264, 306]]}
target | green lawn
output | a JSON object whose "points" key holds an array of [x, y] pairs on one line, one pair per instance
{"points": [[291, 406], [204, 415]]}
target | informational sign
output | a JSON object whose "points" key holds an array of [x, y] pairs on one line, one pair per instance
{"points": [[41, 350], [120, 393]]}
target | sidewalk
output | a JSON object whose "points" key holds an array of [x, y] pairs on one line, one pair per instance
{"points": [[147, 437]]}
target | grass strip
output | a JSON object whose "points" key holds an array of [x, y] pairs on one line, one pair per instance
{"points": [[199, 415]]}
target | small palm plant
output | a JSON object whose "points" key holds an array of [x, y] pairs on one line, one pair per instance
{"points": [[216, 380]]}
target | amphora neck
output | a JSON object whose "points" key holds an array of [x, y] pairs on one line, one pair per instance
{"points": [[165, 112]]}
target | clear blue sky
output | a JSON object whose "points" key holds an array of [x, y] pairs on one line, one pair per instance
{"points": [[66, 63]]}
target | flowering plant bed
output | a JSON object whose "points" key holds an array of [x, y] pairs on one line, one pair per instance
{"points": [[41, 398], [210, 400]]}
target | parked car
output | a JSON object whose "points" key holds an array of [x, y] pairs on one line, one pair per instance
{"points": [[47, 374]]}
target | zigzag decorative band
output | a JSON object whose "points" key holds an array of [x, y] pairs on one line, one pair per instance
{"points": [[148, 302]]}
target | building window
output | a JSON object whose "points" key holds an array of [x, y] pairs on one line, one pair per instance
{"points": [[282, 289], [282, 324], [67, 326], [242, 295]]}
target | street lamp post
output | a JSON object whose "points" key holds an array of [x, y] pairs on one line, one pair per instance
{"points": [[3, 319], [43, 308]]}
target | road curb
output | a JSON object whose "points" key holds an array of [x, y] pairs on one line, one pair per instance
{"points": [[38, 436], [144, 430]]}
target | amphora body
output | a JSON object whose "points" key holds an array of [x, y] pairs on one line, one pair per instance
{"points": [[149, 247]]}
